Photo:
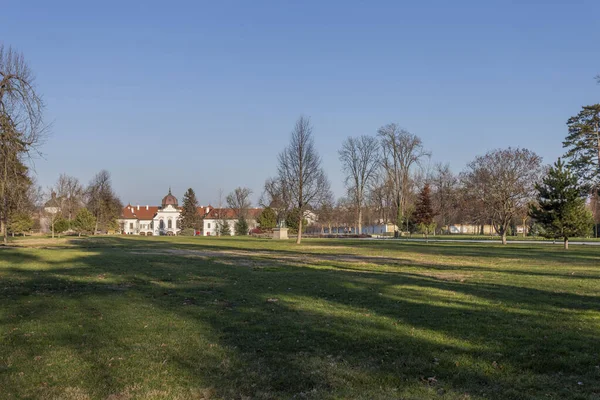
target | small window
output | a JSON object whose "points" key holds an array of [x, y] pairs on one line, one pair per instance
{"points": [[209, 225], [170, 224], [131, 225]]}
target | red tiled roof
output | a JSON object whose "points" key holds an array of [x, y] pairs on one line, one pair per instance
{"points": [[132, 212]]}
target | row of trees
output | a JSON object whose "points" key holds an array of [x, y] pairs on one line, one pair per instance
{"points": [[69, 200], [389, 180]]}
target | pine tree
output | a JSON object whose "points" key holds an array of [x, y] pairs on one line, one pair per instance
{"points": [[583, 146], [241, 227], [190, 219], [267, 220], [424, 214], [20, 223], [61, 225], [85, 222], [561, 207], [292, 221], [223, 227]]}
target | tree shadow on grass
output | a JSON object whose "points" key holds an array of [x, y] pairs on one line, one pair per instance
{"points": [[304, 332]]}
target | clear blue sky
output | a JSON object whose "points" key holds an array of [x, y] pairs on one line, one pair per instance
{"points": [[204, 94]]}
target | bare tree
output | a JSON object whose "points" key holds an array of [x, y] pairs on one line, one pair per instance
{"points": [[70, 193], [503, 181], [445, 195], [21, 129], [325, 210], [360, 161], [300, 171], [239, 201], [102, 201], [402, 151], [381, 199]]}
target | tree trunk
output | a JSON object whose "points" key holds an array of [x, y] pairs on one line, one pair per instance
{"points": [[299, 238], [4, 232], [52, 229], [504, 237], [566, 243], [359, 221]]}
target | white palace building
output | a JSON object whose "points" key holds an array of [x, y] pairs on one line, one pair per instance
{"points": [[163, 220]]}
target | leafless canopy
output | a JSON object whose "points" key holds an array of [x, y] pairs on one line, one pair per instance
{"points": [[360, 162], [21, 128], [69, 193], [503, 183], [445, 194], [102, 201], [402, 151], [300, 171], [239, 201]]}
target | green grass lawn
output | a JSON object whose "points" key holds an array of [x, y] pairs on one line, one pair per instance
{"points": [[225, 318]]}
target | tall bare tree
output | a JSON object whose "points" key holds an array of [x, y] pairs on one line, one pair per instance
{"points": [[300, 171], [402, 151], [444, 194], [70, 193], [504, 181], [102, 201], [21, 129], [360, 161]]}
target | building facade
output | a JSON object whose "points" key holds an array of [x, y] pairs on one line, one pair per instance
{"points": [[164, 220], [148, 220]]}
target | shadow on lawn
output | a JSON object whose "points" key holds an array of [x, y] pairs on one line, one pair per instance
{"points": [[331, 332]]}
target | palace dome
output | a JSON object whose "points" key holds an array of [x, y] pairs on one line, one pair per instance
{"points": [[169, 200]]}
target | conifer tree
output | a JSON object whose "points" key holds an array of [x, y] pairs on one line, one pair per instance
{"points": [[190, 219], [424, 214], [241, 227], [583, 147], [61, 225], [561, 206], [267, 220], [85, 222], [223, 227]]}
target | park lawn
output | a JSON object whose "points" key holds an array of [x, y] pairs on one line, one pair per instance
{"points": [[239, 318]]}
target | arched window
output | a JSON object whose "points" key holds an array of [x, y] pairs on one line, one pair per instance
{"points": [[162, 224], [170, 223]]}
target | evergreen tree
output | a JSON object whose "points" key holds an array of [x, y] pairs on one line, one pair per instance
{"points": [[424, 214], [267, 220], [190, 219], [561, 207], [583, 146], [292, 221], [241, 227], [223, 227], [61, 225], [20, 223], [85, 222]]}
